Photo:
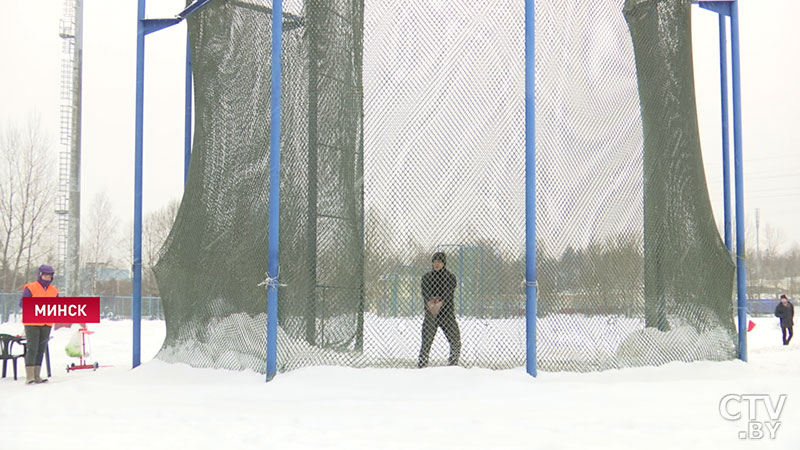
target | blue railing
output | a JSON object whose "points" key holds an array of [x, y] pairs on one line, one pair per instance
{"points": [[761, 306]]}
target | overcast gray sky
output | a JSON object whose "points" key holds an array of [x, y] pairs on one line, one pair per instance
{"points": [[29, 83], [770, 95]]}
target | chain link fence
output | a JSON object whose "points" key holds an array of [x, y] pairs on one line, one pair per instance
{"points": [[402, 136]]}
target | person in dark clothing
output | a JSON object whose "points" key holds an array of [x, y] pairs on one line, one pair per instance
{"points": [[438, 286], [785, 312]]}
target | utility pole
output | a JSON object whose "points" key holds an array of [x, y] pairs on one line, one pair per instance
{"points": [[758, 251]]}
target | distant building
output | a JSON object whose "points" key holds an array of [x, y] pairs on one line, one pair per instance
{"points": [[101, 278]]}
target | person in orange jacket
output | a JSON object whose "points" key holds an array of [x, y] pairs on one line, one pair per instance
{"points": [[38, 334]]}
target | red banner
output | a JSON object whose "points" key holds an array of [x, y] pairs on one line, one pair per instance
{"points": [[61, 310]]}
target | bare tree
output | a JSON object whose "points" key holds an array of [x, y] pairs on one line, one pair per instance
{"points": [[99, 241], [156, 228], [773, 261], [27, 191], [775, 239], [380, 257]]}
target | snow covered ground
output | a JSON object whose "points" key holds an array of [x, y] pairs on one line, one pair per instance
{"points": [[160, 405]]}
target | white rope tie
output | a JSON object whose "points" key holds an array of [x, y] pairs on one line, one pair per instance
{"points": [[271, 281]]}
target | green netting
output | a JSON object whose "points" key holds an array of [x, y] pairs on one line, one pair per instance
{"points": [[403, 135]]}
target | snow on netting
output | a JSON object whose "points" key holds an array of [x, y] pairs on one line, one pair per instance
{"points": [[403, 135]]}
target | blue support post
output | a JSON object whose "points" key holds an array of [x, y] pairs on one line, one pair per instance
{"points": [[460, 280], [385, 303], [413, 304], [136, 301], [394, 294], [144, 27], [739, 180], [530, 190], [187, 124], [153, 25], [274, 189]]}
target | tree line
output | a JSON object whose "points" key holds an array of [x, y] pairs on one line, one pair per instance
{"points": [[609, 269], [28, 221]]}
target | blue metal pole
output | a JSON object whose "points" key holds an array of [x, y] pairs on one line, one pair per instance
{"points": [[739, 179], [460, 280], [530, 190], [187, 125], [394, 295], [385, 302], [274, 189], [726, 163], [412, 307], [136, 303]]}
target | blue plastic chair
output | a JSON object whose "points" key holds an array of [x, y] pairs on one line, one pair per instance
{"points": [[7, 342]]}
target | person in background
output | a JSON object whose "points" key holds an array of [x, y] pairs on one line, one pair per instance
{"points": [[785, 312], [37, 334], [438, 286]]}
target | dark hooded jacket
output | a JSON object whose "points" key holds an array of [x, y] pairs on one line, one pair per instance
{"points": [[785, 313], [440, 284]]}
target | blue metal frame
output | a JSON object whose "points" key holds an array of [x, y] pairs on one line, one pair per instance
{"points": [[147, 26], [196, 6], [721, 7], [460, 276], [399, 273], [739, 180], [724, 7], [143, 28], [730, 8], [136, 301], [530, 190], [394, 295], [274, 189], [153, 25], [461, 280]]}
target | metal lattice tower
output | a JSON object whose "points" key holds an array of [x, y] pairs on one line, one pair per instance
{"points": [[68, 200]]}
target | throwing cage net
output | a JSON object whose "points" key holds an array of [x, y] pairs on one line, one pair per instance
{"points": [[402, 136]]}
